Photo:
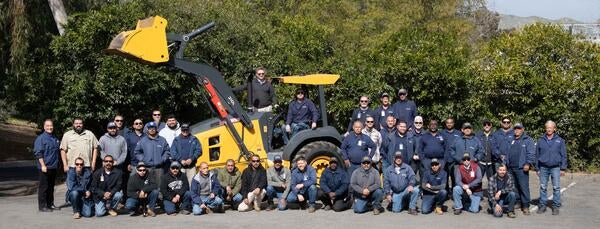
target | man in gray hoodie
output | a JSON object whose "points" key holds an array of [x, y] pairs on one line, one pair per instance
{"points": [[365, 185], [114, 145]]}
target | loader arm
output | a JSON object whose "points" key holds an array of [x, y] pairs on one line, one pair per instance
{"points": [[150, 44]]}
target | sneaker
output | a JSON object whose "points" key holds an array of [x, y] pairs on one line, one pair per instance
{"points": [[438, 210], [512, 215], [311, 209], [257, 207], [555, 211], [525, 211], [270, 207], [76, 215], [120, 206], [413, 211], [376, 211], [327, 208], [457, 211], [112, 212], [150, 212], [185, 212], [541, 210]]}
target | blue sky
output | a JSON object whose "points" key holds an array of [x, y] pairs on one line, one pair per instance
{"points": [[581, 10]]}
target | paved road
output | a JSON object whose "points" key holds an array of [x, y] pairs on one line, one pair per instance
{"points": [[581, 209]]}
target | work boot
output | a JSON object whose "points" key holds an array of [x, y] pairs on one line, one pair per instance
{"points": [[541, 209], [208, 210], [511, 215], [555, 211], [525, 211], [413, 212], [376, 211], [44, 209], [311, 209], [76, 215], [150, 212], [457, 211], [185, 212], [438, 210], [112, 212], [327, 208]]}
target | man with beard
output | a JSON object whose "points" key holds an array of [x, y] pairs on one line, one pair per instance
{"points": [[230, 179], [365, 184], [175, 191], [142, 191], [333, 190], [434, 188], [106, 185], [520, 159], [278, 181], [383, 111], [79, 142], [114, 145], [171, 131], [303, 186], [254, 182], [46, 150], [500, 189]]}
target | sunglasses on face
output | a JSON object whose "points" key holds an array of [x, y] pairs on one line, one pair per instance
{"points": [[137, 123], [108, 161], [487, 124], [141, 170], [155, 114], [366, 163], [364, 101], [300, 93], [369, 121], [120, 120], [418, 122], [174, 168], [506, 122], [78, 164], [401, 94], [255, 161], [260, 74]]}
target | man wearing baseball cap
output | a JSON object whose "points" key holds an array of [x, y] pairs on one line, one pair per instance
{"points": [[399, 185], [278, 184], [175, 190], [383, 111], [468, 189], [186, 149], [520, 159], [333, 184], [365, 186], [434, 188], [405, 109]]}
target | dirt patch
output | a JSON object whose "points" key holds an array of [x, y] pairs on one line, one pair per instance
{"points": [[16, 142]]}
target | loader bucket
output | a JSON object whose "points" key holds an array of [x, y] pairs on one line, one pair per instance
{"points": [[147, 43], [314, 79]]}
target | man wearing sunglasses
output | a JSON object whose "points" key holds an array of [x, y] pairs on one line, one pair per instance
{"points": [[468, 190], [142, 191], [156, 117], [302, 114], [360, 113], [261, 93], [405, 109], [502, 138], [375, 136], [488, 159], [186, 149], [175, 191], [365, 185], [106, 185], [254, 182], [132, 138], [120, 122], [416, 132], [78, 190]]}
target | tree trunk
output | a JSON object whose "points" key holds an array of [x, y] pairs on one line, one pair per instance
{"points": [[59, 13]]}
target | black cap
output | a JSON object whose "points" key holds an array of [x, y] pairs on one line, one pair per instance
{"points": [[141, 164], [519, 126], [366, 159], [486, 121], [333, 160], [385, 94], [277, 159], [402, 91], [398, 155], [435, 161], [185, 126], [467, 125], [466, 156]]}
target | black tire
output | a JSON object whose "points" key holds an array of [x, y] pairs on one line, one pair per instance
{"points": [[316, 152]]}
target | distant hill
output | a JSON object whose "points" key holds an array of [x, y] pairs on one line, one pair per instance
{"points": [[511, 21]]}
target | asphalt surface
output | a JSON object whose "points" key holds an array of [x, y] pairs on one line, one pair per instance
{"points": [[581, 209]]}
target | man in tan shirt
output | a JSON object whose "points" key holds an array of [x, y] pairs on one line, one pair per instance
{"points": [[79, 143]]}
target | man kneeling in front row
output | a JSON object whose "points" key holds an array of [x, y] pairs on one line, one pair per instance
{"points": [[501, 192]]}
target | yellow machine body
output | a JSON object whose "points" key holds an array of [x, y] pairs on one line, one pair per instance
{"points": [[146, 44]]}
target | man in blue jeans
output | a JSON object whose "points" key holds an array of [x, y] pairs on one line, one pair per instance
{"points": [[78, 190], [175, 191], [142, 192], [205, 189], [500, 190], [399, 185], [302, 114], [278, 184], [365, 186], [468, 188], [551, 156], [304, 180], [106, 185], [520, 159], [434, 188]]}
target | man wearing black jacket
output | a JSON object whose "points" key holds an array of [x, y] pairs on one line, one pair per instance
{"points": [[106, 186], [175, 190], [254, 182], [261, 94], [334, 185], [142, 190]]}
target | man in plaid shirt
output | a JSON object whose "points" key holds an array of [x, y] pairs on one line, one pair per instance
{"points": [[501, 193]]}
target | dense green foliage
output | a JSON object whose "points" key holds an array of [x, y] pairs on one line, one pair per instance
{"points": [[453, 63]]}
